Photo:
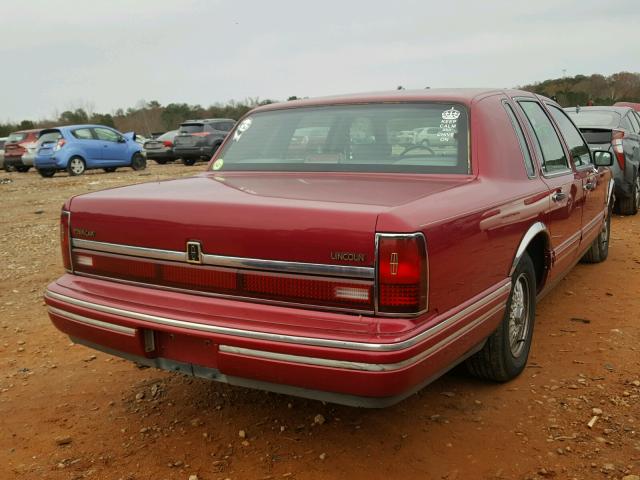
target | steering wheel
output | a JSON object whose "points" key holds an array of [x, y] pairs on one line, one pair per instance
{"points": [[414, 147]]}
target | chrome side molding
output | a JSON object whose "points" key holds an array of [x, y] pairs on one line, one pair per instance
{"points": [[328, 270]]}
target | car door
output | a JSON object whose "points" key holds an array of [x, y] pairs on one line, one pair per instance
{"points": [[564, 217], [114, 147], [594, 182], [89, 145], [631, 142]]}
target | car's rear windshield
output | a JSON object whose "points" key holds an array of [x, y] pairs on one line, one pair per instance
{"points": [[191, 128], [52, 136], [595, 118], [351, 138], [16, 137], [167, 136]]}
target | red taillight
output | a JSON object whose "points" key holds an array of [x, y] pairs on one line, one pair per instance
{"points": [[324, 291], [402, 273], [167, 143], [618, 148], [61, 143], [308, 289], [65, 240]]}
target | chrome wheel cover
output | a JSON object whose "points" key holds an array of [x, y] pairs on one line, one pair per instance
{"points": [[519, 315], [76, 165]]}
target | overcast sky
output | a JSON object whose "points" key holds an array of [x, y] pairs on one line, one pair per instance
{"points": [[57, 55]]}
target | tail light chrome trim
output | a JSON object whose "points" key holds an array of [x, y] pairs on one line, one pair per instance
{"points": [[328, 270]]}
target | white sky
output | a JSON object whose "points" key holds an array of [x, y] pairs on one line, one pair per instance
{"points": [[56, 55]]}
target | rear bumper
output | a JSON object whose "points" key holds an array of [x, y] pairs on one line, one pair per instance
{"points": [[193, 152], [227, 341], [12, 162], [161, 155]]}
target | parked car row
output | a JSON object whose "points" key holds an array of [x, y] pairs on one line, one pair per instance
{"points": [[617, 130], [323, 257], [76, 148]]}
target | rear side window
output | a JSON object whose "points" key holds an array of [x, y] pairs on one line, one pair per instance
{"points": [[553, 157], [82, 134], [626, 124], [579, 150], [191, 128], [528, 161], [634, 122], [106, 135]]}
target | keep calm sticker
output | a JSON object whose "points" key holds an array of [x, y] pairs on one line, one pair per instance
{"points": [[243, 127]]}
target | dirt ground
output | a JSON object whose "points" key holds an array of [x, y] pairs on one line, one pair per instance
{"points": [[67, 412]]}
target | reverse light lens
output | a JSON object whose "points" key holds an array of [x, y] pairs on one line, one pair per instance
{"points": [[402, 273], [65, 240]]}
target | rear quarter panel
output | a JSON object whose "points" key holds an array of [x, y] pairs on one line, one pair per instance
{"points": [[473, 231]]}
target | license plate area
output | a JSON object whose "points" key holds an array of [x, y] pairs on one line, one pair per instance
{"points": [[186, 348]]}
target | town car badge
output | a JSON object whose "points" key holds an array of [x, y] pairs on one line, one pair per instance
{"points": [[194, 252]]}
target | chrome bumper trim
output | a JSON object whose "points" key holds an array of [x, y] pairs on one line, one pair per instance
{"points": [[365, 273], [93, 322], [275, 337], [361, 366]]}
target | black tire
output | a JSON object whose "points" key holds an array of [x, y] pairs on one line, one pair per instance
{"points": [[138, 162], [110, 169], [76, 166], [599, 250], [46, 172], [189, 161], [504, 355], [8, 167], [23, 169], [160, 162], [630, 205]]}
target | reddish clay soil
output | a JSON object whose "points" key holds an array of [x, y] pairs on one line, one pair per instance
{"points": [[67, 412]]}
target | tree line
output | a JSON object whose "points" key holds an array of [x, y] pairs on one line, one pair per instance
{"points": [[594, 89], [146, 118], [151, 117]]}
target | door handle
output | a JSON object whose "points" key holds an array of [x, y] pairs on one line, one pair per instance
{"points": [[556, 197]]}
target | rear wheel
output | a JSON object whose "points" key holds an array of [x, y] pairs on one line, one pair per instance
{"points": [[23, 169], [46, 172], [631, 204], [76, 166], [138, 162], [189, 161], [505, 352], [599, 250], [110, 169], [160, 162]]}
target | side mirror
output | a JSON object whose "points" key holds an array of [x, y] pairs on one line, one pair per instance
{"points": [[602, 158]]}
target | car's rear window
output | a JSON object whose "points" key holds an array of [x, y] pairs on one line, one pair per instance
{"points": [[16, 137], [352, 138], [167, 136], [594, 118], [49, 137], [191, 128], [222, 126]]}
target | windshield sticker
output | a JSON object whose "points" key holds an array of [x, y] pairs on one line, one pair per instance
{"points": [[448, 125], [218, 164], [243, 127]]}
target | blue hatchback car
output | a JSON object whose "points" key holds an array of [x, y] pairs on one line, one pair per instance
{"points": [[76, 148]]}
